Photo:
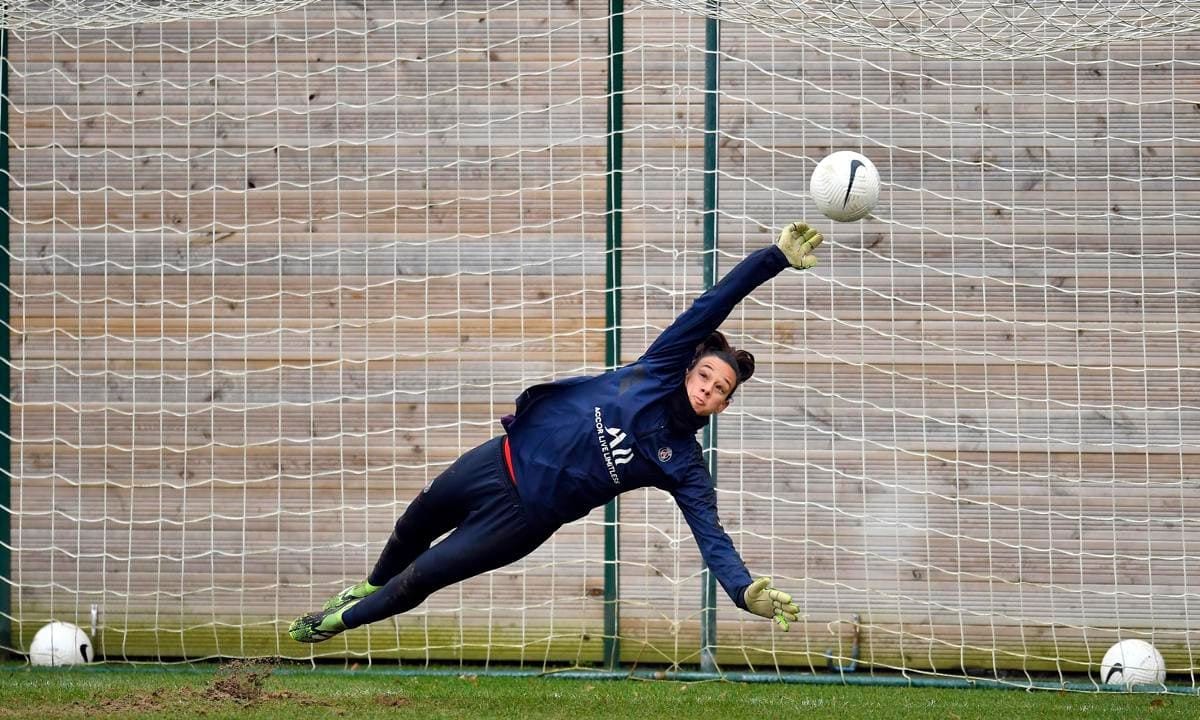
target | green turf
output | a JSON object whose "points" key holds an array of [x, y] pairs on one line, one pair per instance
{"points": [[257, 690]]}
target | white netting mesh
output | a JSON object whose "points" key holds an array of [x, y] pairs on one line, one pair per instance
{"points": [[59, 14], [957, 28], [269, 276]]}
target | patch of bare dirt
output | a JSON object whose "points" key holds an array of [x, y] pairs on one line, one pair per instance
{"points": [[240, 681], [155, 701], [388, 700]]}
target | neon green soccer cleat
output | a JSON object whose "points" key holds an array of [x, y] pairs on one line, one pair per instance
{"points": [[349, 595], [321, 625]]}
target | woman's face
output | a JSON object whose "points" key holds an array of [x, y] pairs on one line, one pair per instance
{"points": [[709, 384]]}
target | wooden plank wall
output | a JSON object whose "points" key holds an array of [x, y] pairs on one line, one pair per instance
{"points": [[272, 275], [276, 274], [973, 424]]}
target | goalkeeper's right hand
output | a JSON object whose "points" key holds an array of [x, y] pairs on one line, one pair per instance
{"points": [[762, 599], [797, 241]]}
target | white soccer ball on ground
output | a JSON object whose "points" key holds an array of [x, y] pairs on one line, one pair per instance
{"points": [[60, 643], [1133, 662], [845, 186]]}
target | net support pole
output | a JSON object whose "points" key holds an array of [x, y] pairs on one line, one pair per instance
{"points": [[612, 307], [6, 581], [712, 47]]}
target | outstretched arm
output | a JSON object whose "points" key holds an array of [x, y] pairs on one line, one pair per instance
{"points": [[698, 501], [678, 342]]}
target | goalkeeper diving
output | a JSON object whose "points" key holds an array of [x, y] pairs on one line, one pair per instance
{"points": [[570, 447]]}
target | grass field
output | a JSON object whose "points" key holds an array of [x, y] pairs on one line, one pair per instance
{"points": [[261, 690]]}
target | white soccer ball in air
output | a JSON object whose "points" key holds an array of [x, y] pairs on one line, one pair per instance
{"points": [[845, 186], [1132, 662], [58, 644]]}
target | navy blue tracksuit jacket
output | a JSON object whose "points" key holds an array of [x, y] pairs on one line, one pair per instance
{"points": [[578, 443], [575, 445]]}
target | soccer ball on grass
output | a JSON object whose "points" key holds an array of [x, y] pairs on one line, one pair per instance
{"points": [[1132, 662], [60, 643]]}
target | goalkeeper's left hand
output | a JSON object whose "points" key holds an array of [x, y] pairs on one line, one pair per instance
{"points": [[797, 241], [762, 599]]}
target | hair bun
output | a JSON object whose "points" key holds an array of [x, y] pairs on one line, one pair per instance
{"points": [[745, 365]]}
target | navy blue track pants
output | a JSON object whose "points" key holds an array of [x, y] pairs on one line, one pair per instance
{"points": [[476, 500]]}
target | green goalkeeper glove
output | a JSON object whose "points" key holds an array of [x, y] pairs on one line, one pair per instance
{"points": [[797, 241], [762, 599]]}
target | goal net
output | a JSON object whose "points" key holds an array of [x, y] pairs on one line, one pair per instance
{"points": [[269, 275], [957, 29]]}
